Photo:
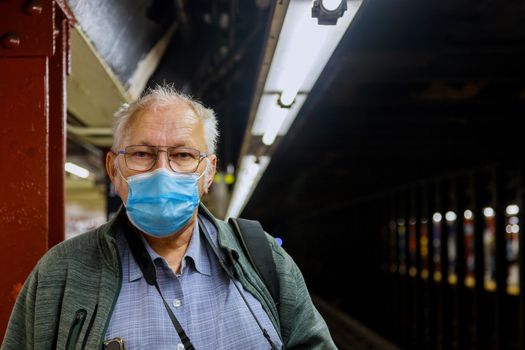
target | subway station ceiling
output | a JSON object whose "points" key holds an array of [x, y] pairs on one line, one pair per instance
{"points": [[415, 90]]}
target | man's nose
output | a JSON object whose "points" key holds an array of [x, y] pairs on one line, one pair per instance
{"points": [[162, 160]]}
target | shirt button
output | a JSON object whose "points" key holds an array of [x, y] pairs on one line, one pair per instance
{"points": [[180, 346], [177, 303]]}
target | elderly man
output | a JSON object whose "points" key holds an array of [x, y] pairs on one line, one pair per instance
{"points": [[163, 273]]}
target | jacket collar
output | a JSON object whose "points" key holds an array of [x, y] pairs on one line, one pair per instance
{"points": [[107, 232], [226, 237]]}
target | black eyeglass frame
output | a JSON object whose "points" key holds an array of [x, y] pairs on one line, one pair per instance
{"points": [[168, 148]]}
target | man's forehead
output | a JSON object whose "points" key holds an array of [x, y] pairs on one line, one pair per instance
{"points": [[168, 113], [176, 125]]}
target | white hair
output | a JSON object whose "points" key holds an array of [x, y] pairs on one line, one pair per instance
{"points": [[161, 96]]}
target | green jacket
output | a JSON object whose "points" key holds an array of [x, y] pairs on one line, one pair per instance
{"points": [[68, 299]]}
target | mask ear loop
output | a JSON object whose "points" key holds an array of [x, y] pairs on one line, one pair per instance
{"points": [[208, 162], [205, 169], [118, 167], [122, 176], [125, 180]]}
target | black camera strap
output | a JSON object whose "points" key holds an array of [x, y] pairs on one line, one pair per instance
{"points": [[204, 231], [143, 259], [139, 252]]}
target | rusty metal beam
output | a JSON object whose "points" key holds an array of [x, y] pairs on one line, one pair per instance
{"points": [[58, 66], [33, 64], [24, 175]]}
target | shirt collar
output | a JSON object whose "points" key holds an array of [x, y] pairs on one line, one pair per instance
{"points": [[196, 252]]}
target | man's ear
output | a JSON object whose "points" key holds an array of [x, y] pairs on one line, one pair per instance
{"points": [[110, 165], [213, 165]]}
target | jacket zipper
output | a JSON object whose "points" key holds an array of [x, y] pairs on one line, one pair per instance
{"points": [[90, 325], [76, 328]]}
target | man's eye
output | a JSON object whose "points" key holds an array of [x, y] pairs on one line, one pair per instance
{"points": [[183, 156], [140, 154]]}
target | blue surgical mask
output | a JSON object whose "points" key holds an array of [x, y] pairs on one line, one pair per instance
{"points": [[162, 202]]}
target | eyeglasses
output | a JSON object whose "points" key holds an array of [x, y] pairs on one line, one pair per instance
{"points": [[180, 159]]}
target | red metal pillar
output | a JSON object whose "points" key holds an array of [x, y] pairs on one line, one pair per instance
{"points": [[58, 69], [32, 144]]}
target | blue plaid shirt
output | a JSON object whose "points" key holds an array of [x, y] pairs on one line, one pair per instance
{"points": [[202, 297]]}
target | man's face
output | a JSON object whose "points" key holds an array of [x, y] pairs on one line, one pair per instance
{"points": [[174, 125]]}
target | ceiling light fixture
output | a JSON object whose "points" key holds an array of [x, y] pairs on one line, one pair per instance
{"points": [[302, 52], [275, 122], [250, 172], [328, 12], [297, 59], [74, 169]]}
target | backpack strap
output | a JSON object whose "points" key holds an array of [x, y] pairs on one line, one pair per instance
{"points": [[256, 247]]}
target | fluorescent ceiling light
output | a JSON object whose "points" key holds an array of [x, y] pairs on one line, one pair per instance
{"points": [[268, 107], [301, 53], [76, 170], [249, 174], [298, 61], [274, 125], [303, 49]]}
